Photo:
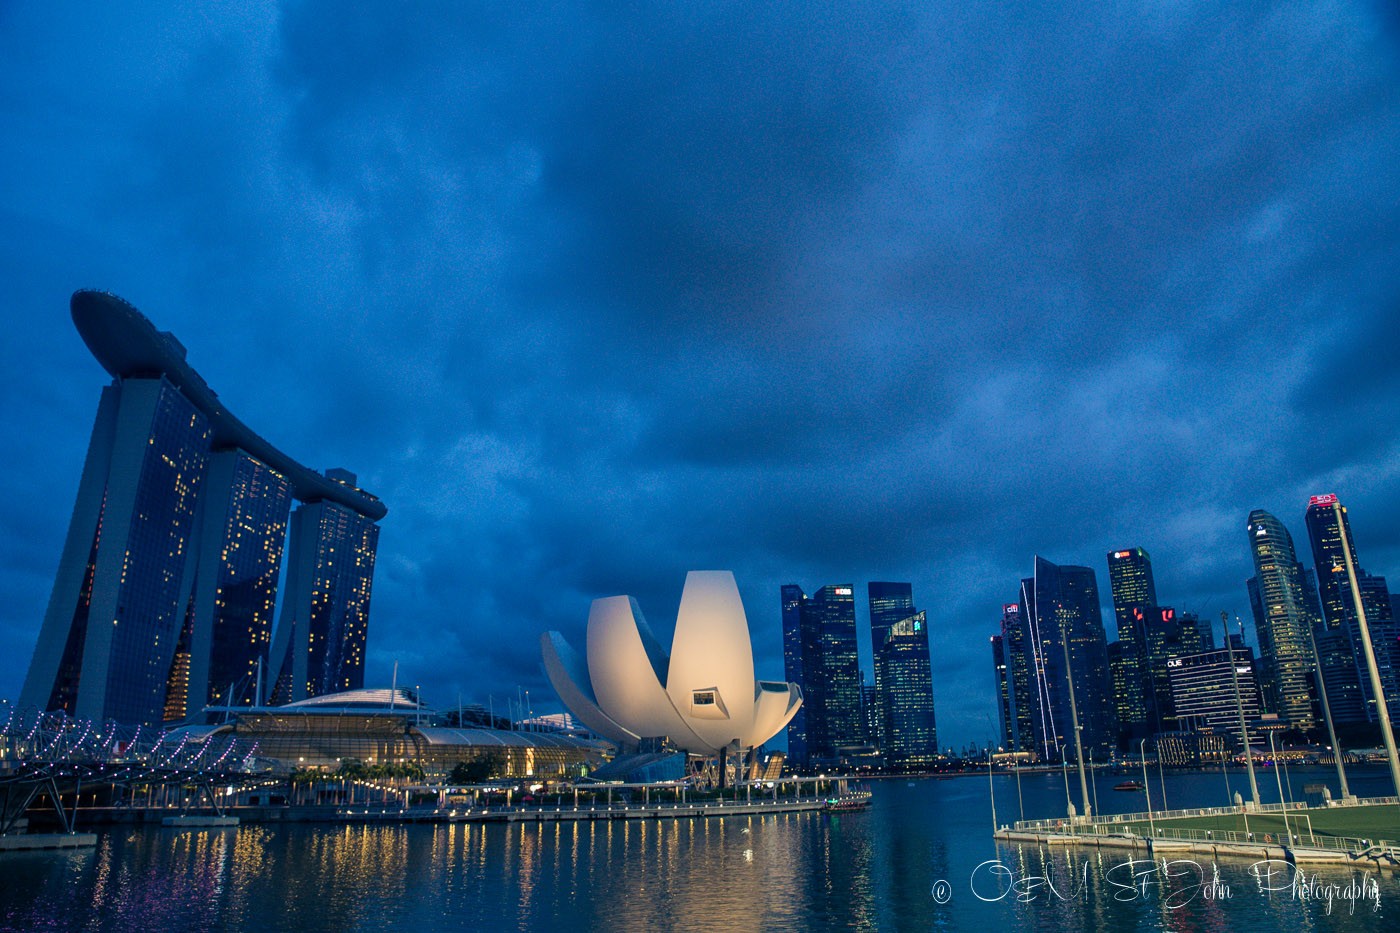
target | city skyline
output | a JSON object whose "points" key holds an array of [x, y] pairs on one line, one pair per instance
{"points": [[855, 295]]}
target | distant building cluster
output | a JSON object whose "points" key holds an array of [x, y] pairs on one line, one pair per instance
{"points": [[844, 721], [166, 588], [1164, 679]]}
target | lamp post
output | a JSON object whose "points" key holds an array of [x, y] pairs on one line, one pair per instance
{"points": [[1074, 722], [1326, 714], [1020, 799], [1377, 692], [1239, 705], [1282, 803], [992, 787], [1064, 769], [1161, 778], [1151, 824], [1096, 781]]}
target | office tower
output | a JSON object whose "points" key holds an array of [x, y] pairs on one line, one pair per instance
{"points": [[1020, 665], [1068, 653], [1130, 579], [823, 632], [1006, 737], [890, 603], [1282, 619], [1167, 636], [165, 588], [799, 643], [870, 713], [903, 680], [1120, 675], [320, 646], [1203, 690], [1340, 648], [1204, 632]]}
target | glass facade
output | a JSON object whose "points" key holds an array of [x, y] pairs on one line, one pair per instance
{"points": [[320, 644], [890, 603], [1134, 589], [911, 732], [165, 590], [1063, 623], [1339, 644], [822, 630], [1282, 620]]}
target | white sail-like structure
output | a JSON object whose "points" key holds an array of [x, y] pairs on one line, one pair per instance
{"points": [[703, 698]]}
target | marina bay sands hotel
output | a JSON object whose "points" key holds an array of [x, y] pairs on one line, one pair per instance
{"points": [[165, 593]]}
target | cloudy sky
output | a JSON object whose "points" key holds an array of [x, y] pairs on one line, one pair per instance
{"points": [[591, 296]]}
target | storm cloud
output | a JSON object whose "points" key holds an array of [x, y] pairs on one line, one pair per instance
{"points": [[593, 295]]}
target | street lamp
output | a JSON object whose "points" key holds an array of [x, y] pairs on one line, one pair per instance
{"points": [[1064, 769], [1151, 824], [1282, 803]]}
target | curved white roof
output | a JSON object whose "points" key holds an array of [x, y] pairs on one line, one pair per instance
{"points": [[703, 697]]}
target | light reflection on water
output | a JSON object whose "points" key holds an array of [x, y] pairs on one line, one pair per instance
{"points": [[851, 871]]}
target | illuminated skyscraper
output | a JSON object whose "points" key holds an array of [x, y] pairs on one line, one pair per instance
{"points": [[1063, 622], [1060, 607], [1134, 591], [1003, 687], [165, 588], [890, 603], [108, 637], [320, 646], [1203, 690], [903, 679], [1020, 698], [822, 630], [1282, 618], [1339, 644]]}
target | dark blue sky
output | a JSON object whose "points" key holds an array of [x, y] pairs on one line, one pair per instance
{"points": [[814, 293]]}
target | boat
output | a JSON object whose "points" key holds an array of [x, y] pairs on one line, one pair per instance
{"points": [[1128, 785], [854, 800]]}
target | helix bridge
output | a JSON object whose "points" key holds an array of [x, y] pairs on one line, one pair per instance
{"points": [[52, 755]]}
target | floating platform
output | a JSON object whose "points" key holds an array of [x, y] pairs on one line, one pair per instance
{"points": [[199, 822], [22, 842]]}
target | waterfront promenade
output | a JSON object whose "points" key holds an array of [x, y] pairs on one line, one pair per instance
{"points": [[1363, 832]]}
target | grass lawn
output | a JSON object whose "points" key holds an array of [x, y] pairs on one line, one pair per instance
{"points": [[1374, 822]]}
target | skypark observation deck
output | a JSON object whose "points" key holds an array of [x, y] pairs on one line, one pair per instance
{"points": [[129, 346]]}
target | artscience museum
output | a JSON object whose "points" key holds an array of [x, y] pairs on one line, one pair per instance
{"points": [[702, 698]]}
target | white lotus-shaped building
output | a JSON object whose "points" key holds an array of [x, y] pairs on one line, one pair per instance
{"points": [[704, 697]]}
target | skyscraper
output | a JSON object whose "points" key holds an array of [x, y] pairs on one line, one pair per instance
{"points": [[109, 635], [890, 603], [242, 525], [1002, 683], [799, 644], [1282, 619], [903, 679], [1167, 636], [165, 587], [1020, 666], [320, 645], [821, 630], [1134, 591], [1340, 647], [1203, 690], [1068, 655]]}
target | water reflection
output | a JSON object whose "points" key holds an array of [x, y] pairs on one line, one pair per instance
{"points": [[874, 870]]}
